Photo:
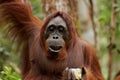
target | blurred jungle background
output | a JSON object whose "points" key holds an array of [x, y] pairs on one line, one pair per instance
{"points": [[97, 21]]}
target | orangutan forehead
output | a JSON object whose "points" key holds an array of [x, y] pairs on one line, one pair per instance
{"points": [[58, 20]]}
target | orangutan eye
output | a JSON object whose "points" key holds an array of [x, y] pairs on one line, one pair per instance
{"points": [[51, 28], [61, 28]]}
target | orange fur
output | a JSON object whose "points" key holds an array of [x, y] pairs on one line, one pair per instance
{"points": [[22, 25], [29, 31]]}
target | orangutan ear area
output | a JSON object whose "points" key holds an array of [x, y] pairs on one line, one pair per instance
{"points": [[50, 48]]}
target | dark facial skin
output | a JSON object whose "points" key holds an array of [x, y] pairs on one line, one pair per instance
{"points": [[56, 35]]}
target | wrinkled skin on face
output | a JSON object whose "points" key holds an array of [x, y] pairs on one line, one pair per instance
{"points": [[56, 36]]}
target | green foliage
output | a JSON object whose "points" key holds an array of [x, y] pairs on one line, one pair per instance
{"points": [[37, 8], [105, 12], [9, 74]]}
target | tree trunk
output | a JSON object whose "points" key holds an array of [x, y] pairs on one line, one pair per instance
{"points": [[88, 14], [112, 35]]}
